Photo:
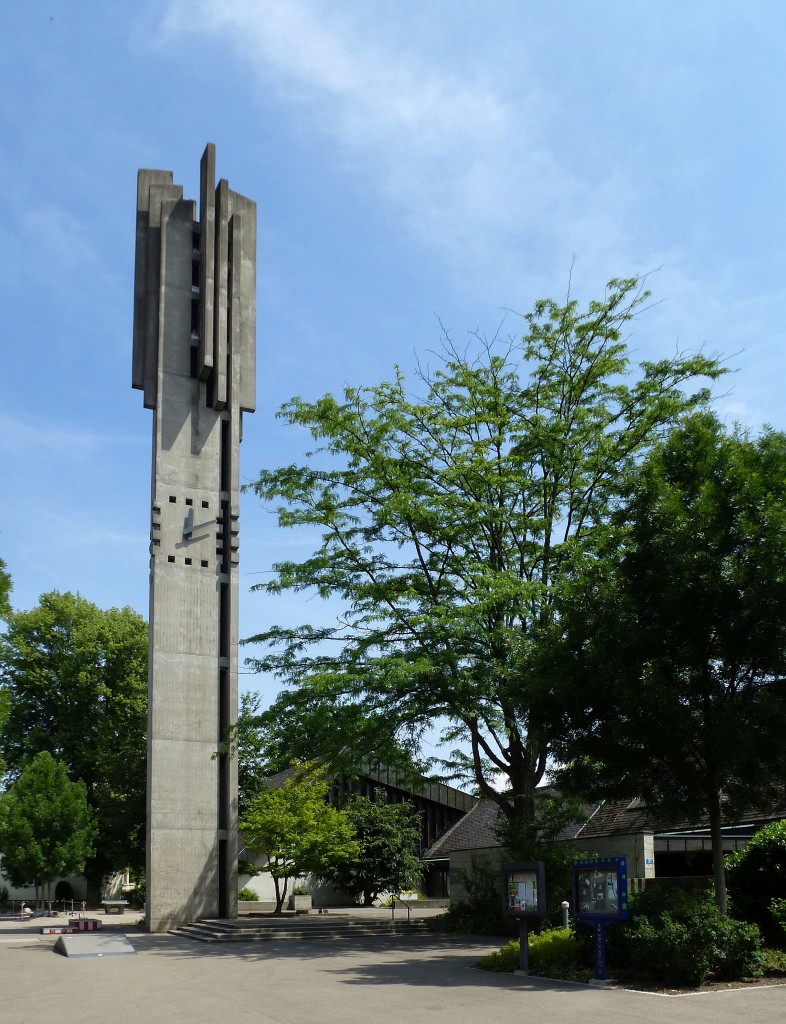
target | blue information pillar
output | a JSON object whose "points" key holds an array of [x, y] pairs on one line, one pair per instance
{"points": [[600, 898]]}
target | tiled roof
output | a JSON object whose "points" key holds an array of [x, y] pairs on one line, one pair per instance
{"points": [[478, 831], [619, 817], [475, 831], [627, 817], [278, 780]]}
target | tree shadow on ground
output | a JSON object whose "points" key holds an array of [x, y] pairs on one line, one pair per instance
{"points": [[418, 961]]}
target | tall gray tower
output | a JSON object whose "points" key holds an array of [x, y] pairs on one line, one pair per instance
{"points": [[195, 360]]}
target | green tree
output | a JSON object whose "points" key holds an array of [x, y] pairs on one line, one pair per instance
{"points": [[75, 678], [5, 591], [671, 656], [5, 611], [267, 741], [447, 522], [46, 825], [256, 755], [388, 836], [296, 830], [544, 838], [757, 881]]}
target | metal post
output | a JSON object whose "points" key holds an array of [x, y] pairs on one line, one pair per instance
{"points": [[565, 909], [524, 946], [600, 950]]}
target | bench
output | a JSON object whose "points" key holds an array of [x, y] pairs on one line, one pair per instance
{"points": [[114, 906]]}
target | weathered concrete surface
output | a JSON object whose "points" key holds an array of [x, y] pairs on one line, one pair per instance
{"points": [[194, 359], [386, 981]]}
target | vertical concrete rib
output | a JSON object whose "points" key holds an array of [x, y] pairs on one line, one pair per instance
{"points": [[221, 286], [207, 250]]}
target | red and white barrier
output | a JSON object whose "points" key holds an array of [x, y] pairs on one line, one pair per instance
{"points": [[82, 925]]}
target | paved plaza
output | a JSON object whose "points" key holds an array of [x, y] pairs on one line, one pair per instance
{"points": [[406, 980]]}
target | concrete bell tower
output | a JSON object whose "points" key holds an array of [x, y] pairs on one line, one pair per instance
{"points": [[194, 357]]}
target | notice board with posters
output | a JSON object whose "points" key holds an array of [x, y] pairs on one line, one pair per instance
{"points": [[525, 889], [600, 888]]}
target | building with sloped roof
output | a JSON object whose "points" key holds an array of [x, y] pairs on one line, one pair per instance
{"points": [[655, 847]]}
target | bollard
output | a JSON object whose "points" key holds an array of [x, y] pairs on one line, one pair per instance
{"points": [[565, 909]]}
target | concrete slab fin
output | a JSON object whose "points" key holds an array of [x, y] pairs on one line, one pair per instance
{"points": [[93, 944]]}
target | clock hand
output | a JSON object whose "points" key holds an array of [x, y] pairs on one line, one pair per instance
{"points": [[191, 527]]}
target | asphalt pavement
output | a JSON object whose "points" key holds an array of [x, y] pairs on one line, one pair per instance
{"points": [[403, 979]]}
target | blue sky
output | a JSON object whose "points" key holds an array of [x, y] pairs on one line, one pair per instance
{"points": [[412, 162]]}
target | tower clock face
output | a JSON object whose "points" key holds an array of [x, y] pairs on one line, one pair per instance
{"points": [[185, 531]]}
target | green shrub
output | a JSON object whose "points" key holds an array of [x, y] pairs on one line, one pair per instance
{"points": [[673, 937], [556, 954], [774, 962], [756, 876], [506, 959], [680, 957], [552, 954], [678, 938], [481, 912], [246, 895], [740, 953], [471, 919], [778, 915], [655, 901], [138, 895]]}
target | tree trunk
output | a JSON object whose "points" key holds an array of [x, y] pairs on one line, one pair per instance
{"points": [[93, 892], [281, 893], [716, 837]]}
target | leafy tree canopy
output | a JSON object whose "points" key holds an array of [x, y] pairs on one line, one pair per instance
{"points": [[669, 661], [5, 591], [46, 824], [388, 836], [757, 880], [267, 741], [75, 678], [296, 830], [448, 520], [257, 757]]}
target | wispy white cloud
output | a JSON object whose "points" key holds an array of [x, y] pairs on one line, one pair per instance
{"points": [[501, 171], [464, 156], [30, 440], [313, 57]]}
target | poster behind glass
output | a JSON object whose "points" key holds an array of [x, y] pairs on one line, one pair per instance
{"points": [[597, 891], [523, 892]]}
